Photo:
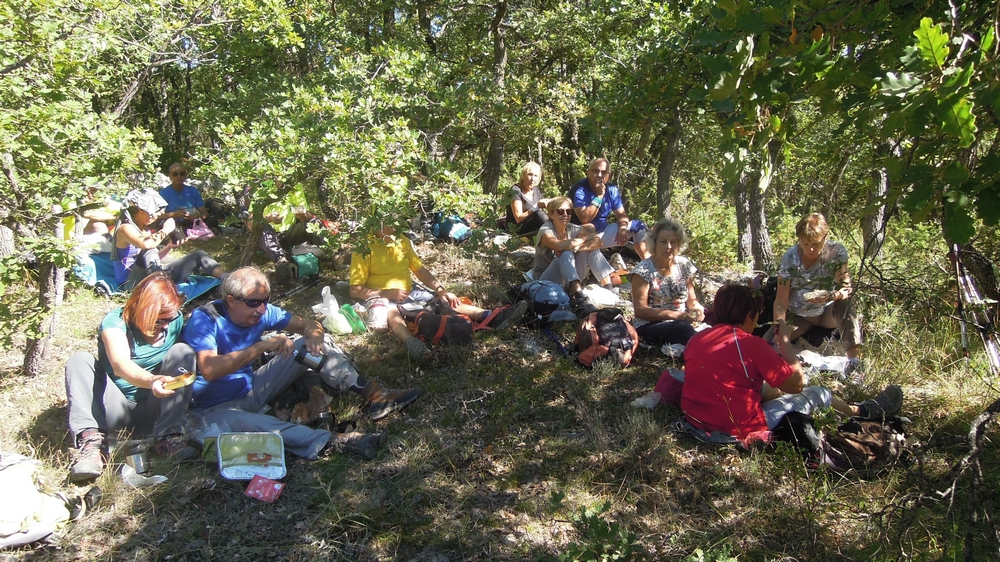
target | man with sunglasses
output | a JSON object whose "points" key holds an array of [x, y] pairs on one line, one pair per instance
{"points": [[227, 335], [184, 201], [594, 200]]}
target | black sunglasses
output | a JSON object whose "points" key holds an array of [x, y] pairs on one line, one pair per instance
{"points": [[566, 212], [254, 303], [179, 174], [164, 322]]}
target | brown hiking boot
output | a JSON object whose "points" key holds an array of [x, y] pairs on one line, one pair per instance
{"points": [[176, 447], [90, 459], [382, 401], [364, 445]]}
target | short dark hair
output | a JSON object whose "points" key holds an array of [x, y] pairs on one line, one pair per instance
{"points": [[734, 303]]}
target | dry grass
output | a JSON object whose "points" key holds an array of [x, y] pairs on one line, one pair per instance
{"points": [[508, 443]]}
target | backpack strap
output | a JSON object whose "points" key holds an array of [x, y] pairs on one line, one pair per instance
{"points": [[440, 331], [485, 324]]}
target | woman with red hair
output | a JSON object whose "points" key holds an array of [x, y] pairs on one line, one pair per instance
{"points": [[124, 387]]}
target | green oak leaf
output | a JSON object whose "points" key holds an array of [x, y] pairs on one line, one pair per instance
{"points": [[933, 42]]}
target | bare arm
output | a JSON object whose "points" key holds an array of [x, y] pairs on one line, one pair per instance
{"points": [[137, 238], [794, 383], [640, 298], [428, 279], [622, 237], [212, 366], [586, 214], [120, 356], [312, 330], [694, 307], [781, 298], [518, 207]]}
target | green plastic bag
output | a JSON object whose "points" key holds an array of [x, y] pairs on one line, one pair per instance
{"points": [[357, 325]]}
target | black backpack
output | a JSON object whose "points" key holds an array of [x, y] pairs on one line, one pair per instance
{"points": [[603, 333]]}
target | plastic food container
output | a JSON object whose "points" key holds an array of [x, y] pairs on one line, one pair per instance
{"points": [[245, 455]]}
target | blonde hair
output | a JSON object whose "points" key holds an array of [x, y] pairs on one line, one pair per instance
{"points": [[557, 202], [812, 227]]}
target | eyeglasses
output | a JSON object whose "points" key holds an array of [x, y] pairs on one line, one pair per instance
{"points": [[254, 303], [178, 174], [566, 212], [602, 173], [166, 321]]}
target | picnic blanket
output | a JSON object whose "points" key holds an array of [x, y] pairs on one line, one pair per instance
{"points": [[98, 271]]}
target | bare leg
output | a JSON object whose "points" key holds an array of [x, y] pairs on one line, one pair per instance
{"points": [[398, 325]]}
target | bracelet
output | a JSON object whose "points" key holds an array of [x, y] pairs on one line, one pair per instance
{"points": [[596, 201], [439, 288]]}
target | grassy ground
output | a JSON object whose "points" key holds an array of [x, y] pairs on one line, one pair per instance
{"points": [[516, 453]]}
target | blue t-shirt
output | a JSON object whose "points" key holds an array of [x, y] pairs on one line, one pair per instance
{"points": [[189, 198], [210, 328], [582, 196]]}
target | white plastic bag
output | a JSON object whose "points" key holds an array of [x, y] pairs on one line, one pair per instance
{"points": [[600, 297], [333, 319]]}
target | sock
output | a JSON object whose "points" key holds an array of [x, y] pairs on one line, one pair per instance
{"points": [[359, 385]]}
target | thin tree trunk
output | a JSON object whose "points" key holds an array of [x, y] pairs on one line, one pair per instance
{"points": [[494, 159], [760, 240], [742, 202], [838, 175], [250, 248], [34, 351], [665, 168], [6, 242], [873, 223]]}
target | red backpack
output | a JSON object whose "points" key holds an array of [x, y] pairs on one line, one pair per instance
{"points": [[603, 333], [438, 323]]}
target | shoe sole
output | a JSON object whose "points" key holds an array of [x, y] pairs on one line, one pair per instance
{"points": [[418, 392], [517, 314]]}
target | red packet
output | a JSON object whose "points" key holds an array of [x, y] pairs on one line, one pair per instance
{"points": [[264, 489]]}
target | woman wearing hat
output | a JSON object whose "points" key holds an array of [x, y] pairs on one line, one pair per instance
{"points": [[135, 251]]}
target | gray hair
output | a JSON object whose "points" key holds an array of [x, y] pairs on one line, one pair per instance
{"points": [[243, 281], [671, 225]]}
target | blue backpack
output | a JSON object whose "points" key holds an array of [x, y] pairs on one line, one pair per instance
{"points": [[547, 302], [451, 227]]}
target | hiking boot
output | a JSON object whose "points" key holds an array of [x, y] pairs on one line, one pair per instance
{"points": [[417, 350], [509, 316], [90, 459], [887, 403], [382, 401], [284, 270], [364, 445], [581, 305], [176, 447]]}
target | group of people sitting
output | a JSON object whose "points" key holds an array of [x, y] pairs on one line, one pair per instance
{"points": [[735, 383]]}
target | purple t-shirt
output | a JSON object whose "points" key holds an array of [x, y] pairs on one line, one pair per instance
{"points": [[582, 196], [210, 328]]}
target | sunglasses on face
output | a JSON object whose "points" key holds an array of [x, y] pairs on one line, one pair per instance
{"points": [[254, 303], [166, 321], [565, 212], [179, 174]]}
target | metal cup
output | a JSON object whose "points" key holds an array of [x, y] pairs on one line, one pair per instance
{"points": [[137, 456]]}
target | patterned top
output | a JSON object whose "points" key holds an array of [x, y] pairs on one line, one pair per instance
{"points": [[667, 293], [820, 276]]}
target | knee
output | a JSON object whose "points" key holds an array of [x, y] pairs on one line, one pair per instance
{"points": [[818, 396]]}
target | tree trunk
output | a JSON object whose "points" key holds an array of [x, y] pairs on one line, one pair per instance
{"points": [[742, 202], [838, 175], [668, 155], [494, 159], [873, 223], [760, 240], [34, 350], [251, 244], [6, 242], [493, 167]]}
